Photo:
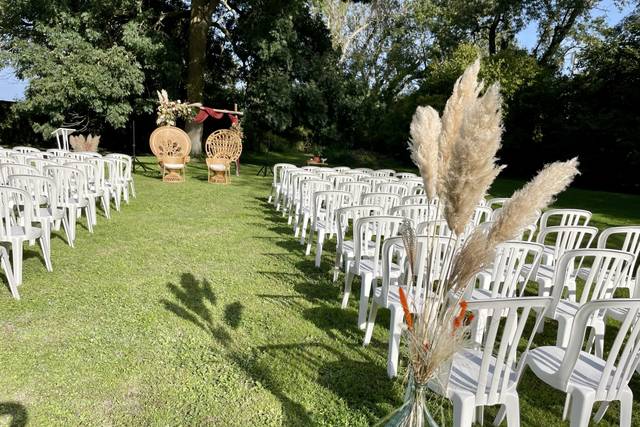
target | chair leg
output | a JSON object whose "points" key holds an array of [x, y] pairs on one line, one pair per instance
{"points": [[626, 407], [373, 312], [8, 272], [512, 406], [348, 280], [336, 265], [73, 216], [45, 244], [581, 406], [16, 253], [564, 332], [365, 291], [463, 409], [395, 333], [133, 188], [106, 204], [319, 246]]}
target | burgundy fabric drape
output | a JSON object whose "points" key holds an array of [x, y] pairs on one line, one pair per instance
{"points": [[210, 112]]}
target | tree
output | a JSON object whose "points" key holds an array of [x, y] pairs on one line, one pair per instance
{"points": [[199, 25]]}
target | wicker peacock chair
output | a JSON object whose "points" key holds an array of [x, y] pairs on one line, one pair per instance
{"points": [[171, 146], [223, 147]]}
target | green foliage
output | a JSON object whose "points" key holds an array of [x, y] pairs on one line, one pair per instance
{"points": [[71, 78]]}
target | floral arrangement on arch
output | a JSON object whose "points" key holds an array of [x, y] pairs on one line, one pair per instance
{"points": [[456, 156], [170, 111]]}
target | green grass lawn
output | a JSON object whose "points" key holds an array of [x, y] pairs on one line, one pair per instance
{"points": [[196, 306]]}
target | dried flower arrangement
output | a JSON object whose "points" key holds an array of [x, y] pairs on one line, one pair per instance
{"points": [[170, 111], [456, 156], [82, 143]]}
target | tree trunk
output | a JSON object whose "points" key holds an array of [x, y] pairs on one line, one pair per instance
{"points": [[201, 11], [493, 33]]}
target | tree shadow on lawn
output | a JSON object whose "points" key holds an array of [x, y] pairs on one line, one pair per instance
{"points": [[17, 413], [279, 367]]}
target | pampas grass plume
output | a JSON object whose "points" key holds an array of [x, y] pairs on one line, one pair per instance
{"points": [[425, 131]]}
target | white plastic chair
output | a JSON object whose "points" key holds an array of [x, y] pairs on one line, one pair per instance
{"points": [[385, 200], [437, 227], [496, 202], [72, 192], [359, 176], [607, 269], [302, 209], [44, 207], [416, 213], [588, 378], [285, 187], [393, 187], [383, 172], [374, 181], [403, 175], [356, 189], [339, 179], [8, 169], [324, 207], [489, 375], [115, 180], [293, 196], [93, 176], [368, 171], [127, 173], [412, 184], [16, 226], [560, 218], [342, 169], [25, 150], [276, 185], [368, 234], [345, 219], [122, 178], [630, 236], [565, 238], [433, 253]]}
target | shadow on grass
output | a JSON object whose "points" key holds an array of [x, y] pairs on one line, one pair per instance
{"points": [[17, 413]]}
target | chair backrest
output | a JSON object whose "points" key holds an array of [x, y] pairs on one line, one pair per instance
{"points": [[56, 152], [403, 175], [367, 171], [20, 158], [374, 181], [412, 184], [416, 213], [605, 271], [91, 173], [307, 190], [508, 272], [8, 169], [383, 172], [359, 176], [325, 173], [438, 227], [342, 169], [393, 187], [10, 216], [287, 178], [496, 202], [566, 238], [41, 188], [278, 172], [432, 256], [169, 141], [357, 189], [296, 182], [25, 150], [564, 217], [502, 357], [347, 216], [39, 163], [224, 144], [325, 205], [385, 200], [128, 162], [625, 238], [368, 235], [338, 179], [623, 356], [71, 184], [481, 214]]}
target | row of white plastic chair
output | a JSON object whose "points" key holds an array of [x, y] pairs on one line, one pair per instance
{"points": [[376, 255], [42, 194]]}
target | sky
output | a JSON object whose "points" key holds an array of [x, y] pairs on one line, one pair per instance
{"points": [[11, 88]]}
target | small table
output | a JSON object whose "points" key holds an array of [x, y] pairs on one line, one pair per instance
{"points": [[310, 162]]}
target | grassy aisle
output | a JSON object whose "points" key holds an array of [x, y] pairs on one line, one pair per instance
{"points": [[195, 306]]}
